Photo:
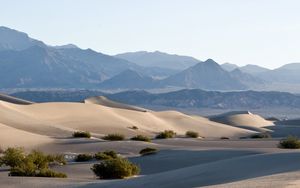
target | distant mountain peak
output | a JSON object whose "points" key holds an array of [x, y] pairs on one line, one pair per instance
{"points": [[66, 46], [159, 59], [211, 61], [11, 39]]}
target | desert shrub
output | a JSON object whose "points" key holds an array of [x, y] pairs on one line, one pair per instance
{"points": [[291, 142], [118, 168], [83, 157], [102, 156], [12, 157], [1, 150], [111, 153], [50, 173], [82, 134], [134, 128], [114, 137], [224, 138], [106, 155], [192, 134], [261, 135], [58, 158], [25, 168], [32, 164], [166, 134], [141, 138], [39, 159], [148, 151], [28, 170]]}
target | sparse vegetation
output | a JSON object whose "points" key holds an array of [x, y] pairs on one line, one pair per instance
{"points": [[106, 155], [192, 134], [83, 157], [82, 134], [148, 151], [261, 135], [35, 163], [141, 138], [114, 137], [166, 134], [58, 158], [224, 138], [50, 173], [291, 142], [118, 168], [134, 127], [12, 157]]}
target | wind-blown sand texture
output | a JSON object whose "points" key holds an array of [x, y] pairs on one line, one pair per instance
{"points": [[101, 100]]}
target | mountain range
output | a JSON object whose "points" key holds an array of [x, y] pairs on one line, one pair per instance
{"points": [[30, 63]]}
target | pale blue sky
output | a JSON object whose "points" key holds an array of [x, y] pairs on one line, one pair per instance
{"points": [[263, 32]]}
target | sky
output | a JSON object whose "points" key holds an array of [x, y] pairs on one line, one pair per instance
{"points": [[261, 32]]}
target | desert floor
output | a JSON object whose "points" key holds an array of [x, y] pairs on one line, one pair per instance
{"points": [[208, 161]]}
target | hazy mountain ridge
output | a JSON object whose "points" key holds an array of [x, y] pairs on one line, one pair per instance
{"points": [[29, 63], [194, 98], [159, 59], [15, 40], [205, 75]]}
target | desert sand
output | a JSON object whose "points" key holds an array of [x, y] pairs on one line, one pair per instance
{"points": [[101, 100], [180, 162], [243, 119]]}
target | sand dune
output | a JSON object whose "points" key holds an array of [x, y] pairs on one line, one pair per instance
{"points": [[109, 103], [286, 180], [218, 172], [60, 119], [11, 137], [244, 119]]}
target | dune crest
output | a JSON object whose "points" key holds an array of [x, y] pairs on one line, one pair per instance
{"points": [[61, 119], [101, 100], [243, 119]]}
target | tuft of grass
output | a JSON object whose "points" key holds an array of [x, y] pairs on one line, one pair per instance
{"points": [[114, 137], [82, 134], [118, 168], [192, 134], [148, 151], [291, 142], [83, 157], [141, 138], [166, 134]]}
